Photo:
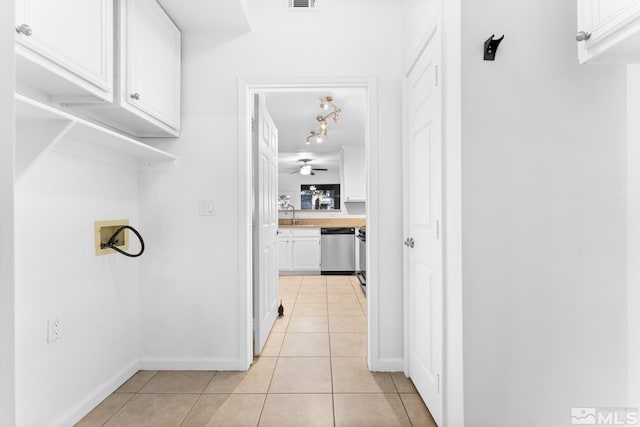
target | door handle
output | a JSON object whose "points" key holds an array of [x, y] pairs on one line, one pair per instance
{"points": [[409, 242]]}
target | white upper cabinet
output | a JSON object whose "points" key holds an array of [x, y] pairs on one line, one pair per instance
{"points": [[150, 49], [65, 48], [353, 174], [608, 31]]}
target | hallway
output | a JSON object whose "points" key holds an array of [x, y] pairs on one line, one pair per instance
{"points": [[312, 372]]}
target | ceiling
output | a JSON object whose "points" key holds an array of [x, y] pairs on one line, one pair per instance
{"points": [[294, 114]]}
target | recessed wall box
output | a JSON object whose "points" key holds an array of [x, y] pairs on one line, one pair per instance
{"points": [[103, 231]]}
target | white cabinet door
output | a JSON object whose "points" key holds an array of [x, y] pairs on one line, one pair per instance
{"points": [[353, 174], [65, 47], [150, 55], [284, 253], [609, 31], [306, 254]]}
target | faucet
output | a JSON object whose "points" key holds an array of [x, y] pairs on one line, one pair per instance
{"points": [[293, 210]]}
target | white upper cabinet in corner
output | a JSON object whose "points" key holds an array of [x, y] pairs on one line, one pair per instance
{"points": [[147, 95], [353, 174], [608, 31], [64, 49], [150, 64]]}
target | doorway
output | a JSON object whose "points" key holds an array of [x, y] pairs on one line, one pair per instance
{"points": [[248, 88]]}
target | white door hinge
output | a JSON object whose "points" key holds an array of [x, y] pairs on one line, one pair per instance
{"points": [[438, 383], [436, 76], [437, 229]]}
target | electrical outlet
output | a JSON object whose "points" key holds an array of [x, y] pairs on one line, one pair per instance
{"points": [[54, 328]]}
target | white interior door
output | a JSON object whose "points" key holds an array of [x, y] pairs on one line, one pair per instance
{"points": [[265, 236], [423, 244]]}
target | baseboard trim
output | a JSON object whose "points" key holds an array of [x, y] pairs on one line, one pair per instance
{"points": [[189, 364], [76, 413], [390, 365]]}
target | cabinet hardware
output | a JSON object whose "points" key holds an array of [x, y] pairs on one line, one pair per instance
{"points": [[24, 29], [135, 96], [583, 36]]}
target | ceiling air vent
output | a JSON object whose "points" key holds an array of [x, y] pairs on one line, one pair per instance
{"points": [[302, 3]]}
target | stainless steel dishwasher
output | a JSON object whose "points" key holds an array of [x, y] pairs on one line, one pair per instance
{"points": [[337, 250]]}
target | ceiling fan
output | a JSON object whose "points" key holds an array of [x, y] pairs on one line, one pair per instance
{"points": [[307, 169]]}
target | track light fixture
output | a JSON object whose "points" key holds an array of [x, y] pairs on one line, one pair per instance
{"points": [[321, 134]]}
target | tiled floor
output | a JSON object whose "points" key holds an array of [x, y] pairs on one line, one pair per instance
{"points": [[312, 372]]}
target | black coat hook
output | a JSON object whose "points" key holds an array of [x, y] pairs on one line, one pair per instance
{"points": [[490, 47]]}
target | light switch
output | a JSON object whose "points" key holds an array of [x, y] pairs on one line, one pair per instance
{"points": [[206, 207]]}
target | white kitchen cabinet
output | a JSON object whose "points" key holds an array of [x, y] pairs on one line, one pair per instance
{"points": [[299, 250], [306, 254], [608, 31], [284, 252], [147, 99], [150, 50], [353, 174], [64, 49]]}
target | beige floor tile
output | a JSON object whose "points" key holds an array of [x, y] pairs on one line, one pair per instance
{"points": [[305, 344], [339, 288], [313, 298], [136, 382], [255, 380], [315, 309], [288, 305], [313, 280], [352, 375], [309, 324], [366, 410], [105, 410], [294, 410], [314, 288], [342, 298], [348, 344], [178, 382], [302, 375], [403, 384], [290, 279], [345, 309], [417, 411], [281, 324], [273, 345], [154, 410], [219, 410], [348, 324]]}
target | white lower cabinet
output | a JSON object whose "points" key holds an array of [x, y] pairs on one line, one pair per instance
{"points": [[299, 250]]}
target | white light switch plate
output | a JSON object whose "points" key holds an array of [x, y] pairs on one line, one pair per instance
{"points": [[206, 207]]}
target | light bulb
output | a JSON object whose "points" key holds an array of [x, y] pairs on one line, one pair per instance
{"points": [[305, 170], [319, 138]]}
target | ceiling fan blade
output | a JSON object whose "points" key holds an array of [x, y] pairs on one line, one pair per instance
{"points": [[313, 173], [320, 169], [295, 171]]}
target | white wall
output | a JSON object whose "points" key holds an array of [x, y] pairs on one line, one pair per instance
{"points": [[190, 286], [7, 88], [57, 274], [544, 210], [633, 233]]}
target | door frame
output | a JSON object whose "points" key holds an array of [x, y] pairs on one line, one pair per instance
{"points": [[247, 86]]}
